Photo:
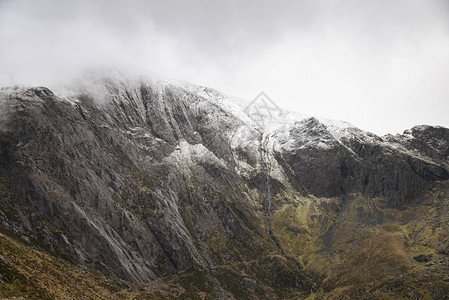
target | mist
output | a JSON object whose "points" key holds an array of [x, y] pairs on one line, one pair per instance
{"points": [[380, 65]]}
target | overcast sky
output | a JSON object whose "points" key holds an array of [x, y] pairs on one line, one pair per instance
{"points": [[382, 65]]}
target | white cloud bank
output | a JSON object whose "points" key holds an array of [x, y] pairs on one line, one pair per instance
{"points": [[381, 65]]}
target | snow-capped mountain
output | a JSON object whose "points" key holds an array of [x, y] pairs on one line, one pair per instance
{"points": [[176, 187]]}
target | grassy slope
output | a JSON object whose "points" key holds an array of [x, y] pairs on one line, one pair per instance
{"points": [[362, 249], [33, 274]]}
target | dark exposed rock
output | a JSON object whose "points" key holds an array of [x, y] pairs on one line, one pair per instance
{"points": [[443, 250], [423, 257], [410, 293], [248, 283]]}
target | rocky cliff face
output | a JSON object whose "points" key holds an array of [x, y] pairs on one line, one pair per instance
{"points": [[146, 180]]}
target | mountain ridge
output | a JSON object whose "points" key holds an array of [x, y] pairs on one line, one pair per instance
{"points": [[143, 180]]}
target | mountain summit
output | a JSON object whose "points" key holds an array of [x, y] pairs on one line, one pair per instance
{"points": [[154, 189]]}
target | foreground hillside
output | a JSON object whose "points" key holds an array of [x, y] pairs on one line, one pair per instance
{"points": [[134, 188]]}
